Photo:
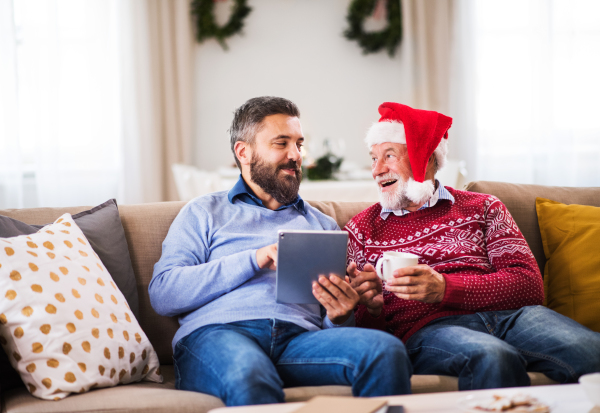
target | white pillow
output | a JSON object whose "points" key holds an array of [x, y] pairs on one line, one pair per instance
{"points": [[63, 323]]}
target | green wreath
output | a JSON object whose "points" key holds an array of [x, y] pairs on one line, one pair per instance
{"points": [[372, 42], [206, 26]]}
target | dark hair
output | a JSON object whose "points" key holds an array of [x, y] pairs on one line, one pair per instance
{"points": [[247, 119]]}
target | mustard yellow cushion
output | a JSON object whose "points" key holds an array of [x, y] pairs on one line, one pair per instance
{"points": [[571, 239]]}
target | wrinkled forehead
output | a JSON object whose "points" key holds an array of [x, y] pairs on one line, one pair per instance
{"points": [[386, 147]]}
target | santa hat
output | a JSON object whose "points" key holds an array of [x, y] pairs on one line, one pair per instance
{"points": [[424, 132]]}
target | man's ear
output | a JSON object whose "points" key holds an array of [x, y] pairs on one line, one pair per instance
{"points": [[432, 161], [432, 167], [243, 152]]}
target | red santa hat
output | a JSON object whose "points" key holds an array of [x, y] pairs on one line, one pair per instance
{"points": [[424, 132]]}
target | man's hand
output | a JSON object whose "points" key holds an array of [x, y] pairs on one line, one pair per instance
{"points": [[419, 282], [336, 295], [368, 285], [266, 257]]}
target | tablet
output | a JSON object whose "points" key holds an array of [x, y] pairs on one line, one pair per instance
{"points": [[304, 255]]}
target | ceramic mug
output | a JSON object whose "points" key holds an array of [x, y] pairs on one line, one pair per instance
{"points": [[391, 261]]}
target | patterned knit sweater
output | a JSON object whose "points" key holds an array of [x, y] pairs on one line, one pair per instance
{"points": [[474, 243]]}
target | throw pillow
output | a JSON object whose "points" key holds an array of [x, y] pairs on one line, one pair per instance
{"points": [[64, 324], [102, 227], [571, 235]]}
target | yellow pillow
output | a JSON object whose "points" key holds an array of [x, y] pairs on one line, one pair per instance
{"points": [[571, 238]]}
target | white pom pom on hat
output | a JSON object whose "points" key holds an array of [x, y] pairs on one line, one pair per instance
{"points": [[424, 132]]}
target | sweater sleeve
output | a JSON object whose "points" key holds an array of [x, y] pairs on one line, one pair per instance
{"points": [[356, 253], [515, 280], [184, 279]]}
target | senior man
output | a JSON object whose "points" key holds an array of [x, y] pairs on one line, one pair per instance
{"points": [[216, 273], [471, 307]]}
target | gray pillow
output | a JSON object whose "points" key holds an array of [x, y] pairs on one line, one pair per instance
{"points": [[103, 229]]}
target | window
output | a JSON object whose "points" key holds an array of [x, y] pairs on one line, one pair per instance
{"points": [[66, 58], [538, 91]]}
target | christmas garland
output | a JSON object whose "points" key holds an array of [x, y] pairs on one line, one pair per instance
{"points": [[206, 26], [372, 42]]}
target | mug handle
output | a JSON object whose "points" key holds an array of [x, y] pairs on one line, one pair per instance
{"points": [[379, 269]]}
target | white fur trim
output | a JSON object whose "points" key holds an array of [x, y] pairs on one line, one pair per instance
{"points": [[440, 153], [385, 131], [419, 192]]}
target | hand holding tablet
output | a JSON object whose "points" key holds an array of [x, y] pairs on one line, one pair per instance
{"points": [[311, 270], [302, 256]]}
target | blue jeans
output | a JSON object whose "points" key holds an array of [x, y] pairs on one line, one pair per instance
{"points": [[249, 362], [497, 348]]}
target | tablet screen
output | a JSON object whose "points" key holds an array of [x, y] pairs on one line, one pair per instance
{"points": [[304, 255]]}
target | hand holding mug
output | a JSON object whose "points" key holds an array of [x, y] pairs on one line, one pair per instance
{"points": [[392, 261], [419, 283]]}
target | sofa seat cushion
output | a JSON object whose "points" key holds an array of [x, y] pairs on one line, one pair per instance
{"points": [[150, 397], [145, 397]]}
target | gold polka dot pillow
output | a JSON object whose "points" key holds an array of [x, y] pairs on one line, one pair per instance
{"points": [[63, 323]]}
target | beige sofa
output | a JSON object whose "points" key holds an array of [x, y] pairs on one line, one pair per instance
{"points": [[146, 226]]}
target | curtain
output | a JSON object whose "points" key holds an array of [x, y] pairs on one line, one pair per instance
{"points": [[95, 100], [11, 170], [537, 66], [439, 56], [157, 86], [60, 79], [428, 37]]}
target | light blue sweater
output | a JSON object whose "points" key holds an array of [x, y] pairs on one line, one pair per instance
{"points": [[208, 273]]}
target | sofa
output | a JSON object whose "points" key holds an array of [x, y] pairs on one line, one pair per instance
{"points": [[145, 228]]}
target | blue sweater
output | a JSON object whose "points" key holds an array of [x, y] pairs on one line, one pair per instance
{"points": [[208, 272]]}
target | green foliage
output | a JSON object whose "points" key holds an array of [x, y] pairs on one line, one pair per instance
{"points": [[206, 26], [372, 42], [324, 167]]}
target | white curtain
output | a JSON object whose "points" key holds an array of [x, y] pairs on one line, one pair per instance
{"points": [[11, 171], [95, 100], [67, 100], [538, 87], [437, 44]]}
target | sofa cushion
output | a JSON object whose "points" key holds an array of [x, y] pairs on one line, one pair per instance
{"points": [[342, 212], [65, 325], [146, 226], [571, 239], [520, 201], [143, 397], [154, 397], [102, 227]]}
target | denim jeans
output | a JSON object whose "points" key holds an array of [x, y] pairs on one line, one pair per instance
{"points": [[497, 348], [249, 362]]}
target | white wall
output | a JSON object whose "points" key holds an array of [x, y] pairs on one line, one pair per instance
{"points": [[295, 49]]}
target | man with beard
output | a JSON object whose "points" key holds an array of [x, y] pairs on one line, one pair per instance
{"points": [[216, 273], [471, 307]]}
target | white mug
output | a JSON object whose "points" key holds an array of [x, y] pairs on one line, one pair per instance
{"points": [[392, 260]]}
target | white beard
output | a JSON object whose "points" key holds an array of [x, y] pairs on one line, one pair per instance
{"points": [[406, 193]]}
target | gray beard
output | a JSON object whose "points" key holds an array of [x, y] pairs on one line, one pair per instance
{"points": [[407, 193], [395, 200]]}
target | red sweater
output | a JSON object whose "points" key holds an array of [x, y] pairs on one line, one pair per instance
{"points": [[474, 243]]}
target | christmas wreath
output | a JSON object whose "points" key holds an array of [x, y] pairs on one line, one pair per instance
{"points": [[206, 26], [372, 42]]}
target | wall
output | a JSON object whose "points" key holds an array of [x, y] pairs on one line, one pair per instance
{"points": [[295, 49]]}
